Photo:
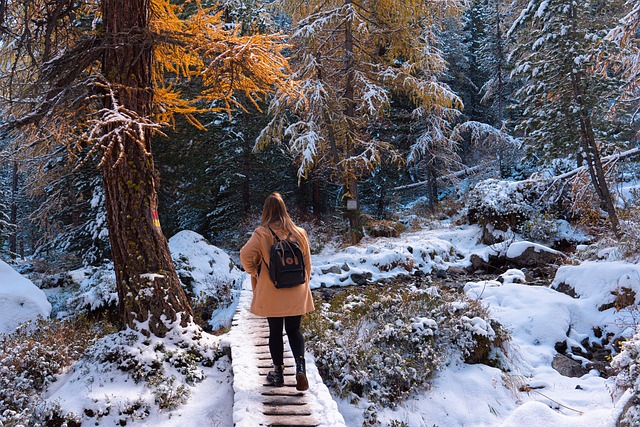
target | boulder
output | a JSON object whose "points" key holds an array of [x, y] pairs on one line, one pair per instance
{"points": [[528, 254], [479, 264], [568, 367], [361, 279], [334, 269], [20, 299]]}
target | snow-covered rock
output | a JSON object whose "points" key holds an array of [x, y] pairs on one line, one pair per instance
{"points": [[204, 264], [208, 273], [604, 283], [529, 254], [20, 299]]}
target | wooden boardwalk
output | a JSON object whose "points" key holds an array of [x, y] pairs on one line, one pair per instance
{"points": [[255, 402]]}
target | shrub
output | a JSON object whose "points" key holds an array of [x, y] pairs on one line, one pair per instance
{"points": [[383, 228], [497, 205], [627, 366], [384, 343], [32, 356]]}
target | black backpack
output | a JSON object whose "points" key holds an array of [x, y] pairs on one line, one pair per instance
{"points": [[287, 263]]}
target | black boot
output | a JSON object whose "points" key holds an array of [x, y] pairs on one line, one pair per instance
{"points": [[276, 377], [301, 375]]}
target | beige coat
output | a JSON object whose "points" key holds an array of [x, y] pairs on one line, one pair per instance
{"points": [[267, 300]]}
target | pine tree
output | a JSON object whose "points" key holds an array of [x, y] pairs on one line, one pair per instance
{"points": [[350, 58], [564, 108], [624, 34], [492, 53]]}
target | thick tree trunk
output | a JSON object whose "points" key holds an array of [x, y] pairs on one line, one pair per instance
{"points": [[354, 215], [148, 286]]}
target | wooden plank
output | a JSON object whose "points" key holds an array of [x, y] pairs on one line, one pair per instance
{"points": [[281, 391], [294, 411], [285, 400], [288, 382], [267, 356], [267, 364], [295, 421]]}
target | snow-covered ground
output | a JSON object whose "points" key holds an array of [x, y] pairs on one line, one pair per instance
{"points": [[532, 393], [20, 299]]}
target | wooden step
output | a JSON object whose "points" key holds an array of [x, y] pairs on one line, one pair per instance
{"points": [[285, 400], [296, 421]]}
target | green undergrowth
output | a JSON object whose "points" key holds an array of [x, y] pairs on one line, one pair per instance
{"points": [[385, 343]]}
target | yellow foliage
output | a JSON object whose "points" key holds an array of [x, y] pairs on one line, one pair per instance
{"points": [[224, 62]]}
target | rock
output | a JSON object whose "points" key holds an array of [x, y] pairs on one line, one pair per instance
{"points": [[567, 290], [441, 274], [345, 267], [528, 254], [479, 264], [419, 273], [334, 269], [361, 279], [568, 367], [512, 275], [456, 271]]}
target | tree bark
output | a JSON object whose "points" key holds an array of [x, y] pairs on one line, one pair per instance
{"points": [[150, 294], [432, 187], [355, 223], [317, 202], [13, 237]]}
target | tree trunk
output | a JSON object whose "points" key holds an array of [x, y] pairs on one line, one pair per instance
{"points": [[148, 286], [247, 166], [355, 223], [354, 215], [592, 153], [316, 196], [432, 187], [13, 237]]}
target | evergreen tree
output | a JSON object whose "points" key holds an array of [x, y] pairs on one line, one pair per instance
{"points": [[492, 56], [564, 103], [350, 57]]}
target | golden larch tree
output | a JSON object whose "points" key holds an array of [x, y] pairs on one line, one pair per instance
{"points": [[101, 78]]}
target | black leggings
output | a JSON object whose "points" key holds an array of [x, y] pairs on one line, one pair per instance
{"points": [[276, 343]]}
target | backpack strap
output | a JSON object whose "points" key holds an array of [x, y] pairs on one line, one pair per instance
{"points": [[274, 234]]}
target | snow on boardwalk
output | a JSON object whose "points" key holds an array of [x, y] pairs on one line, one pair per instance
{"points": [[255, 402]]}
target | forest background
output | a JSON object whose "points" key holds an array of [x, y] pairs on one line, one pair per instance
{"points": [[410, 94], [125, 121]]}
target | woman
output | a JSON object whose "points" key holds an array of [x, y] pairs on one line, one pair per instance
{"points": [[280, 306]]}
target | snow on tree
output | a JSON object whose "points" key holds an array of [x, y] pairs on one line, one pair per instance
{"points": [[350, 59], [563, 100], [102, 78], [625, 35]]}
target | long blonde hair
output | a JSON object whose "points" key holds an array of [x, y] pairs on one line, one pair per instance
{"points": [[275, 213]]}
